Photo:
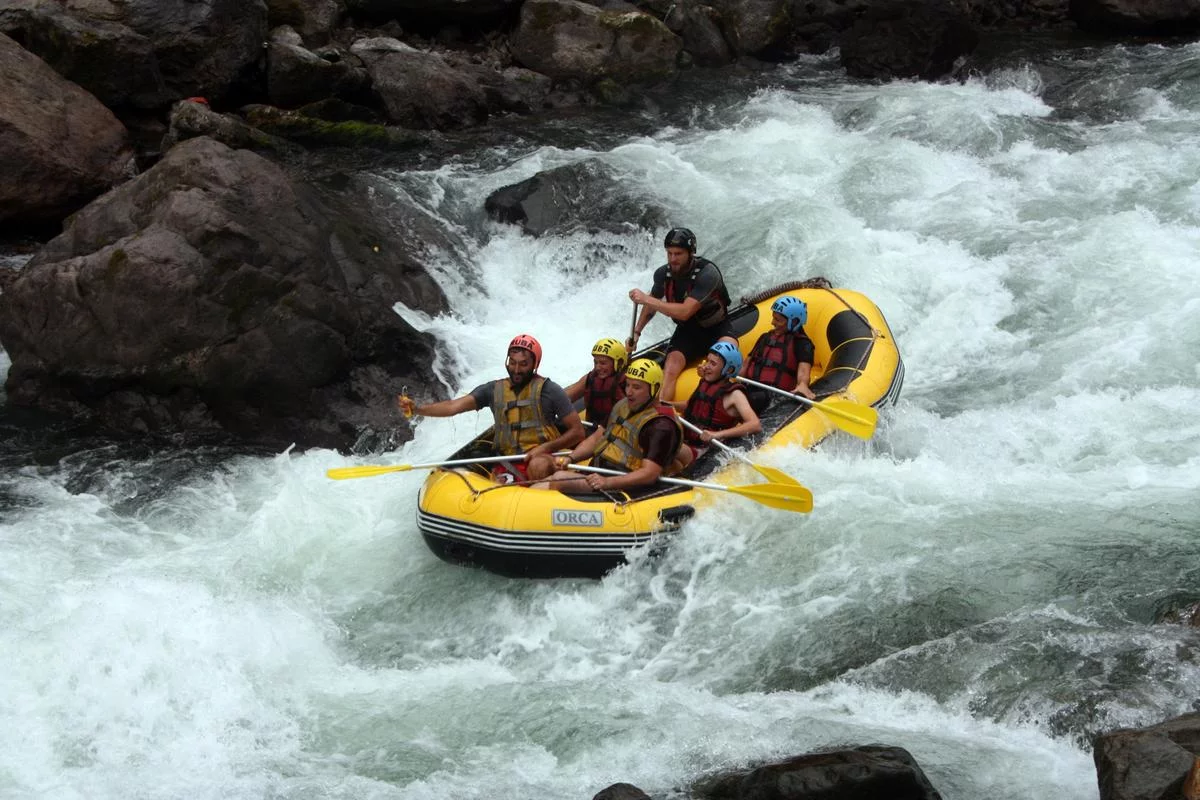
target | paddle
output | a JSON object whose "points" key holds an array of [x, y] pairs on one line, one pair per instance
{"points": [[770, 473], [369, 471], [854, 418], [775, 495]]}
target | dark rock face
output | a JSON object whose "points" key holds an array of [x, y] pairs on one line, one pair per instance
{"points": [[1137, 17], [567, 39], [213, 292], [583, 196], [59, 146], [1148, 763], [907, 40], [700, 28], [143, 53], [420, 89], [759, 28], [864, 772]]}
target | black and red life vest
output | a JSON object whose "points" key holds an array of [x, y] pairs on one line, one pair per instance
{"points": [[712, 308], [601, 394], [706, 407], [775, 360]]}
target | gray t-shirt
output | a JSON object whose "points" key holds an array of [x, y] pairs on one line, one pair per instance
{"points": [[555, 405]]}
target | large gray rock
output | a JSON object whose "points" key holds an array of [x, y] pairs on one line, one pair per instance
{"points": [[1137, 17], [59, 146], [216, 293], [143, 53], [315, 20], [759, 28], [421, 89], [297, 76], [700, 28], [568, 39], [1147, 763], [586, 196]]}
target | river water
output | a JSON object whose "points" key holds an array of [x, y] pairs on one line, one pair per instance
{"points": [[979, 584]]}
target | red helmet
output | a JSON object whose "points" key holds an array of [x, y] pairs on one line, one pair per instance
{"points": [[526, 342]]}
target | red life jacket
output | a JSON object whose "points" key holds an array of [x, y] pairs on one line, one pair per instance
{"points": [[601, 394], [774, 360], [706, 407]]}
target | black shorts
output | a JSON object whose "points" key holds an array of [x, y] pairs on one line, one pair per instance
{"points": [[759, 399], [694, 341]]}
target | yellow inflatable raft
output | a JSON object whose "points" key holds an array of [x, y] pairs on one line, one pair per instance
{"points": [[467, 518]]}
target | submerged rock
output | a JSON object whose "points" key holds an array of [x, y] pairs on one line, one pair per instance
{"points": [[867, 771], [585, 196]]}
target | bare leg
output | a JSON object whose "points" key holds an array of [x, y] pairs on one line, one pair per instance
{"points": [[671, 368], [540, 467]]}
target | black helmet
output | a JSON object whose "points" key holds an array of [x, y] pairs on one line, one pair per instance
{"points": [[681, 237]]}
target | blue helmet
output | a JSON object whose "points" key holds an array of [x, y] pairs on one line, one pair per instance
{"points": [[794, 309], [732, 356]]}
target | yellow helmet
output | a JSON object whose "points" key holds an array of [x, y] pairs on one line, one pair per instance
{"points": [[646, 371], [614, 350]]}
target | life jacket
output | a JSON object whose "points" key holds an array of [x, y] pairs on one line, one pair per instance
{"points": [[775, 359], [620, 445], [706, 407], [601, 394], [712, 308], [520, 425]]}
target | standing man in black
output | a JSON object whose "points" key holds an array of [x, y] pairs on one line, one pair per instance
{"points": [[691, 291]]}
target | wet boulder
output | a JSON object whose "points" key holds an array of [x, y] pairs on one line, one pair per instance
{"points": [[1151, 763], [867, 771], [586, 196], [59, 146], [568, 39], [907, 39], [216, 293], [297, 76], [421, 89]]}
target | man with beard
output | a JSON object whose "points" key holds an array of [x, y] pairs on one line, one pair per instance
{"points": [[691, 291], [532, 414]]}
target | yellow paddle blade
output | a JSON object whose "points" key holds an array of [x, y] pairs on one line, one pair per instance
{"points": [[854, 418], [775, 475], [777, 495], [344, 473]]}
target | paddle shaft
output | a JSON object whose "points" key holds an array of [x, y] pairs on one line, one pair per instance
{"points": [[677, 481], [696, 428], [826, 407]]}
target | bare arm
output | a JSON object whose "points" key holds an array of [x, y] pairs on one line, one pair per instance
{"points": [[644, 317], [648, 472], [680, 312], [803, 373], [442, 408], [575, 390], [572, 436], [736, 403]]}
